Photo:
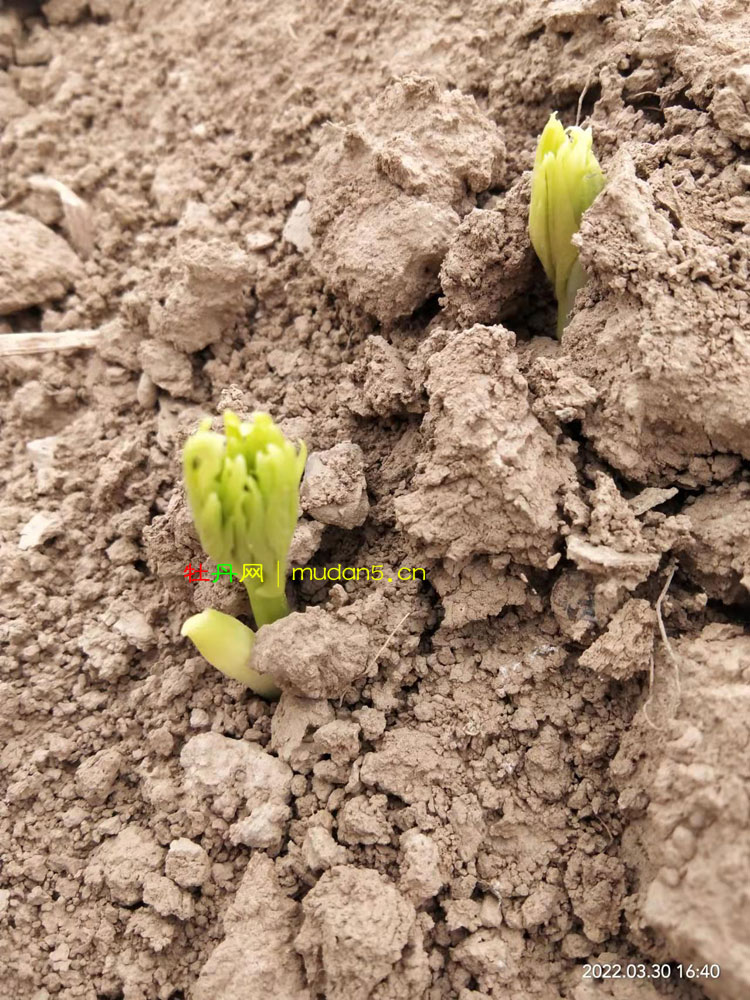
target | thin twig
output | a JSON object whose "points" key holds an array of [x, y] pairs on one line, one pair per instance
{"points": [[644, 93], [677, 203], [611, 835], [37, 343], [667, 646], [390, 636], [583, 94], [647, 702], [663, 631], [79, 221]]}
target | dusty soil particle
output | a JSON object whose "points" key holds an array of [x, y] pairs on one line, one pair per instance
{"points": [[477, 590], [314, 654], [388, 192], [717, 554], [292, 721], [490, 261], [334, 489], [627, 645], [596, 885], [340, 739], [166, 367], [321, 851], [359, 938], [421, 877], [261, 913], [379, 382], [214, 764], [687, 840], [96, 776], [166, 898], [363, 820], [64, 11], [124, 862], [38, 265], [204, 303], [619, 549], [492, 478], [663, 369], [408, 765], [187, 863]]}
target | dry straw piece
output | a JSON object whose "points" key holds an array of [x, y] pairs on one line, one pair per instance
{"points": [[12, 344], [78, 217]]}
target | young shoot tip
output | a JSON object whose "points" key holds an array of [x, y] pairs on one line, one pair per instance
{"points": [[227, 644]]}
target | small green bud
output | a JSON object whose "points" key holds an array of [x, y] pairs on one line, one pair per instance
{"points": [[565, 181], [227, 644], [243, 491]]}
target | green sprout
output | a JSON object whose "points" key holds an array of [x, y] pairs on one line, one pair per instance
{"points": [[243, 490], [227, 644], [565, 181]]}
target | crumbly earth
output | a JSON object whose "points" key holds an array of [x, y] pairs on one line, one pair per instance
{"points": [[476, 783]]}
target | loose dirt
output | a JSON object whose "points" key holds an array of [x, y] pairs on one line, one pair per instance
{"points": [[475, 785]]}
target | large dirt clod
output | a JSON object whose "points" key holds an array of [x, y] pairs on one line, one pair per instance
{"points": [[388, 193], [314, 654], [38, 266], [665, 343], [359, 932], [492, 479]]}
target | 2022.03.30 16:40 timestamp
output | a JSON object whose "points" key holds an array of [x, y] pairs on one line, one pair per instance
{"points": [[649, 970]]}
